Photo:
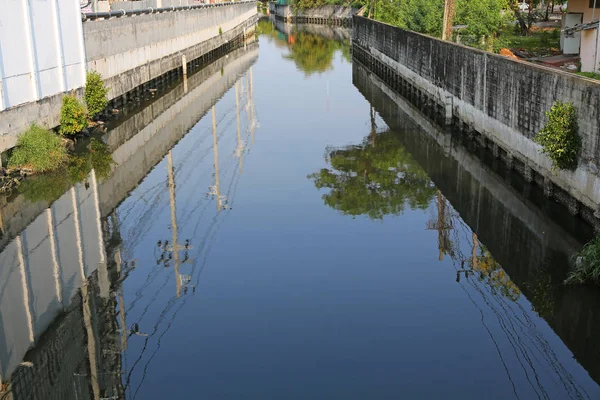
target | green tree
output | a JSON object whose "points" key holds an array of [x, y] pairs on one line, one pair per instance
{"points": [[377, 178]]}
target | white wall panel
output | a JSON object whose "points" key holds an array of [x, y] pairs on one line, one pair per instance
{"points": [[41, 49]]}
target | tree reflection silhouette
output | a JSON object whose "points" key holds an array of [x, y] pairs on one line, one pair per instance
{"points": [[377, 178]]}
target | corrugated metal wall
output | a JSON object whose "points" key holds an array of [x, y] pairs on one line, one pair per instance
{"points": [[41, 50]]}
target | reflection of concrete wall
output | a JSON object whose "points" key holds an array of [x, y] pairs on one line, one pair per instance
{"points": [[521, 238], [328, 32], [503, 99], [44, 266], [131, 50], [168, 121]]}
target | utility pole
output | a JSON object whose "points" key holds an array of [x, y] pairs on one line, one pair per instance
{"points": [[239, 151], [449, 12], [442, 226], [252, 106], [175, 248], [215, 190]]}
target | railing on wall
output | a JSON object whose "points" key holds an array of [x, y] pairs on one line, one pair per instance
{"points": [[150, 10]]}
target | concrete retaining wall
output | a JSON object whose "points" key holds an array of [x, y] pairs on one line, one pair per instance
{"points": [[503, 99], [132, 50]]}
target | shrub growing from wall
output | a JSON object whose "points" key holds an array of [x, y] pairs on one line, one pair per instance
{"points": [[73, 118], [95, 94], [559, 137]]}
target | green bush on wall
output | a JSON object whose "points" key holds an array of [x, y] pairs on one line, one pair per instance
{"points": [[559, 138], [95, 93], [73, 118], [39, 150]]}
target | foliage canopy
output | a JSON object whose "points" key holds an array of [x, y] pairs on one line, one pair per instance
{"points": [[374, 179]]}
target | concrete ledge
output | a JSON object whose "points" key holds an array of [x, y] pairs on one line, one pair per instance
{"points": [[120, 84], [16, 120]]}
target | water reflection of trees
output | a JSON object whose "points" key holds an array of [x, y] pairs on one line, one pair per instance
{"points": [[377, 178], [311, 52], [49, 187]]}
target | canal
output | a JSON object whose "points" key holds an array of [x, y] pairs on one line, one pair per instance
{"points": [[282, 225]]}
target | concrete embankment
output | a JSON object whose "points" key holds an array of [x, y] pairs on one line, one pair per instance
{"points": [[499, 101], [132, 50]]}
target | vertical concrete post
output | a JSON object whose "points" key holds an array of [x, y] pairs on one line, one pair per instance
{"points": [[573, 206], [548, 187], [495, 150], [448, 103], [510, 160], [528, 174], [175, 244]]}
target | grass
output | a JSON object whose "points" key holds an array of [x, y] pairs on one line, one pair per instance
{"points": [[591, 75], [39, 150], [587, 266], [538, 43]]}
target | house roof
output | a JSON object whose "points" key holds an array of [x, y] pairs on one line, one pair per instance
{"points": [[580, 27]]}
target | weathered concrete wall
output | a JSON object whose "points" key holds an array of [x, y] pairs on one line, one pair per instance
{"points": [[132, 50], [503, 99]]}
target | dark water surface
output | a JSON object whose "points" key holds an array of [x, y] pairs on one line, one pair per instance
{"points": [[325, 241]]}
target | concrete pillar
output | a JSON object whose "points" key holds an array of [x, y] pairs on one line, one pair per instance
{"points": [[573, 206], [528, 173], [184, 65], [495, 150], [448, 103], [510, 161], [548, 187]]}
